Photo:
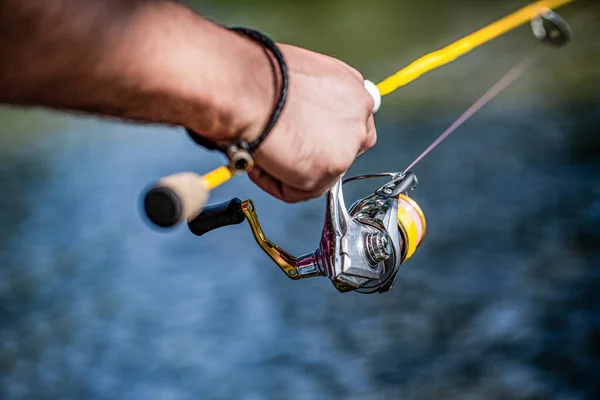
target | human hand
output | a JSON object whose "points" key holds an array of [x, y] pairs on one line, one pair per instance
{"points": [[326, 123]]}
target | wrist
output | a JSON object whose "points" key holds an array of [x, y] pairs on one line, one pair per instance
{"points": [[249, 93], [225, 83]]}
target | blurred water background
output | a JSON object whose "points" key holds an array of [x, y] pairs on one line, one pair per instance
{"points": [[502, 301]]}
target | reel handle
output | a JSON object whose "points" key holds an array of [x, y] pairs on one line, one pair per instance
{"points": [[217, 216]]}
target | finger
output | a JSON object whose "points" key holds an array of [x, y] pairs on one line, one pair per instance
{"points": [[266, 182], [371, 132], [280, 191], [371, 137], [301, 182], [292, 195]]}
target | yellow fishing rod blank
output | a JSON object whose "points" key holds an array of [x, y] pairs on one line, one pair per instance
{"points": [[453, 51]]}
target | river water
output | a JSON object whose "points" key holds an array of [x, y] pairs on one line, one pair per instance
{"points": [[501, 301]]}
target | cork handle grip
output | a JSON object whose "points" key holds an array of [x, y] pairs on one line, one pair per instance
{"points": [[176, 198]]}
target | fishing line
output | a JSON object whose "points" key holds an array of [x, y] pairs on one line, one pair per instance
{"points": [[523, 66], [494, 91]]}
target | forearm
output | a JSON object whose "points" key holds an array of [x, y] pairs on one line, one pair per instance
{"points": [[142, 60]]}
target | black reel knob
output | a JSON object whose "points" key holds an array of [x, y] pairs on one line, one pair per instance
{"points": [[217, 216]]}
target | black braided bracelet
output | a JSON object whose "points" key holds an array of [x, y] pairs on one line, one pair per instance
{"points": [[251, 147]]}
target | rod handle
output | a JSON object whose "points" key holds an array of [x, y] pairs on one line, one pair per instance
{"points": [[176, 198]]}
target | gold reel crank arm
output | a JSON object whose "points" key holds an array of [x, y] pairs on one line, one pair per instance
{"points": [[234, 212]]}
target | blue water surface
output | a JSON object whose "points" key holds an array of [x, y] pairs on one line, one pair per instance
{"points": [[501, 301]]}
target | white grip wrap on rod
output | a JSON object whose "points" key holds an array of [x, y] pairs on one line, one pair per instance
{"points": [[374, 92]]}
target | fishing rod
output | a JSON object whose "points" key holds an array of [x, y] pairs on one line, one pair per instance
{"points": [[363, 246]]}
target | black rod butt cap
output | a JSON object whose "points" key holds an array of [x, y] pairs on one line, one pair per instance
{"points": [[163, 207]]}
